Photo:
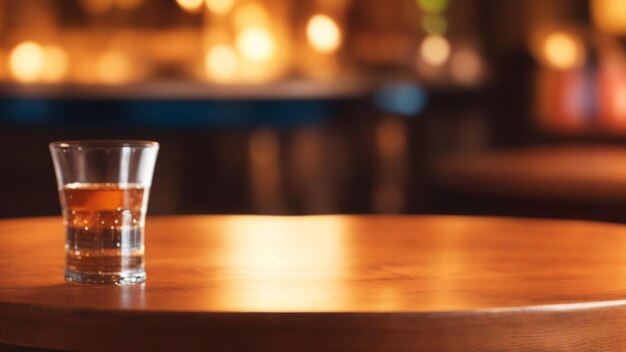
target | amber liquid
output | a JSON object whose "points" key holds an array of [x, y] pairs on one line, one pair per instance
{"points": [[105, 225]]}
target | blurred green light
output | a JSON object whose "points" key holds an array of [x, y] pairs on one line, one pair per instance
{"points": [[434, 24], [433, 6]]}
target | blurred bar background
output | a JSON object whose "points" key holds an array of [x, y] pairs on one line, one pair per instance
{"points": [[326, 106]]}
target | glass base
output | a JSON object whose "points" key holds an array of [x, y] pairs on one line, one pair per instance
{"points": [[126, 278]]}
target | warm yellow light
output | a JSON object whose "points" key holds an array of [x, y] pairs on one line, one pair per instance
{"points": [[56, 64], [2, 65], [609, 15], [435, 50], [323, 34], [256, 44], [26, 62], [270, 254], [250, 14], [190, 5], [221, 63], [220, 7], [114, 68], [466, 66], [562, 50]]}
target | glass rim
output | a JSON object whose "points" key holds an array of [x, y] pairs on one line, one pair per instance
{"points": [[103, 144]]}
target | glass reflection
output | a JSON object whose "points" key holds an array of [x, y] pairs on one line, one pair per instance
{"points": [[132, 297]]}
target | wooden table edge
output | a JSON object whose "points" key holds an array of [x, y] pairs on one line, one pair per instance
{"points": [[551, 327]]}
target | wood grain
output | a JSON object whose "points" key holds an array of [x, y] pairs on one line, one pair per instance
{"points": [[328, 283]]}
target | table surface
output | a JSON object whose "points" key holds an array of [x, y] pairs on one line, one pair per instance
{"points": [[327, 283]]}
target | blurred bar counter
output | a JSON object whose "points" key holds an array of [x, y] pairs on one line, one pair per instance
{"points": [[291, 147]]}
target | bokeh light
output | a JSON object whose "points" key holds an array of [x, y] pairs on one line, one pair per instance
{"points": [[190, 5], [250, 14], [563, 51], [323, 34], [466, 66], [56, 64], [435, 50], [220, 7], [114, 67], [221, 63], [433, 6], [26, 62], [609, 15], [405, 99], [256, 44]]}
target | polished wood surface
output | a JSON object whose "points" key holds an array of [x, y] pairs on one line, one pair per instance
{"points": [[580, 173], [328, 283]]}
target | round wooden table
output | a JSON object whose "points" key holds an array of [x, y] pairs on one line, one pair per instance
{"points": [[327, 283]]}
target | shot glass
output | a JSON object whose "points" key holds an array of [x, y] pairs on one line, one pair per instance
{"points": [[103, 189]]}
